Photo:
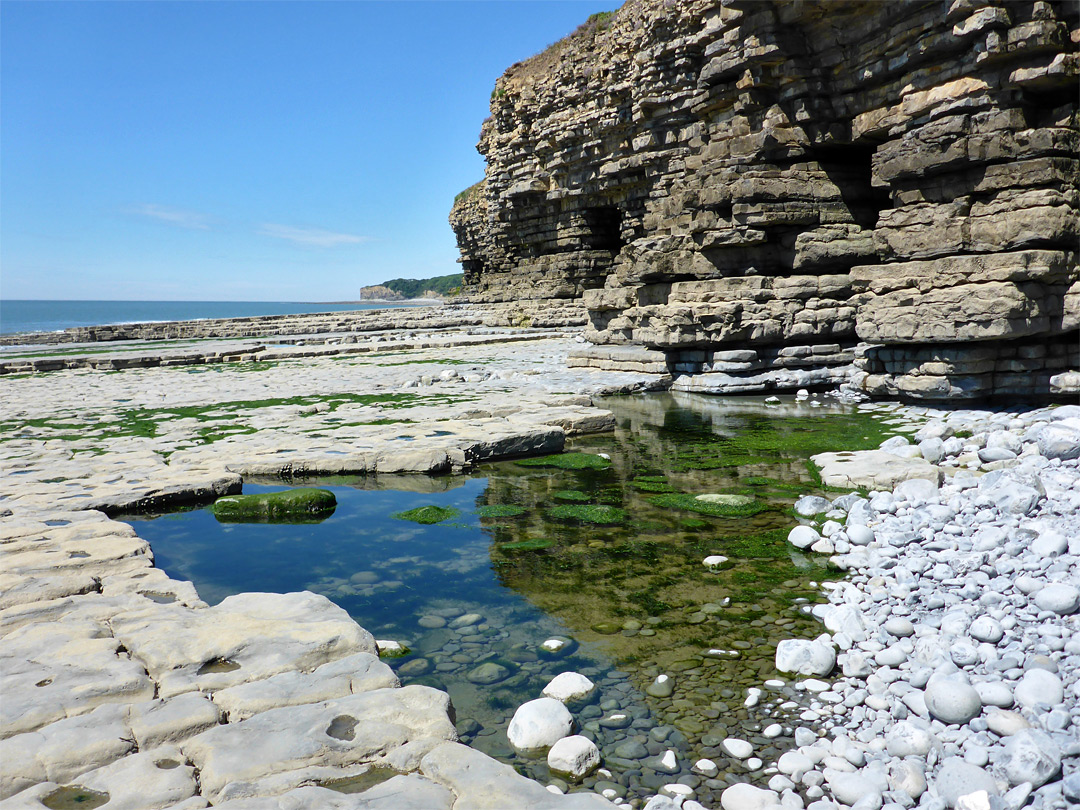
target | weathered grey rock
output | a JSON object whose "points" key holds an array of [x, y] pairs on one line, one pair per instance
{"points": [[662, 686], [958, 778], [264, 634], [850, 788], [350, 675], [402, 792], [805, 657], [873, 469], [810, 505], [908, 739], [574, 757], [485, 784], [280, 749], [1060, 439], [1030, 756], [539, 724]]}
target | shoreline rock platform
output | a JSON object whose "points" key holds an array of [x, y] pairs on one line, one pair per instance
{"points": [[119, 680]]}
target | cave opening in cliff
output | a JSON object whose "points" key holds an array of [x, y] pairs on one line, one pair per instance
{"points": [[850, 168], [604, 223]]}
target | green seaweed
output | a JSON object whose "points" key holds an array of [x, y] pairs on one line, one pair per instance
{"points": [[498, 510], [568, 461], [533, 544], [600, 515], [678, 500], [302, 505], [427, 515], [571, 495]]}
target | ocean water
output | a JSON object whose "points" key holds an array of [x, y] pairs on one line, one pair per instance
{"points": [[52, 316]]}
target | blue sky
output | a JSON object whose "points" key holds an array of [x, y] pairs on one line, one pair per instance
{"points": [[277, 151]]}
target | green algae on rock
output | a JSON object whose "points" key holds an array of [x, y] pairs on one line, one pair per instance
{"points": [[569, 461], [571, 495], [601, 515], [730, 506], [498, 510], [527, 545], [302, 505], [428, 515]]}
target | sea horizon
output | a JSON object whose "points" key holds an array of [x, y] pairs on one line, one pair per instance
{"points": [[19, 315]]}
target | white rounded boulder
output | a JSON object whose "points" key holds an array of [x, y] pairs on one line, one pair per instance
{"points": [[952, 701], [538, 724], [575, 757], [805, 657], [568, 687]]}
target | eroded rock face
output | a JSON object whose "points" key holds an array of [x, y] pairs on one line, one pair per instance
{"points": [[785, 180]]}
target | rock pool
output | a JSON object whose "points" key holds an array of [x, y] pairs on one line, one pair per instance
{"points": [[603, 551]]}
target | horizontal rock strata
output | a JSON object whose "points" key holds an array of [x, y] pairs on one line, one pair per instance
{"points": [[717, 176], [119, 683], [534, 312]]}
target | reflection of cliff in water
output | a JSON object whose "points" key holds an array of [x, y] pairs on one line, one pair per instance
{"points": [[639, 588]]}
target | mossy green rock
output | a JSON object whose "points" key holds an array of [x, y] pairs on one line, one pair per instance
{"points": [[303, 505], [427, 515], [534, 544], [569, 461], [601, 515], [571, 495], [498, 510], [737, 506]]}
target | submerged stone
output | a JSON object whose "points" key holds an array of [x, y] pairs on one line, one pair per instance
{"points": [[428, 515], [292, 505]]}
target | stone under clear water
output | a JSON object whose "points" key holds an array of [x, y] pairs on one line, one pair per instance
{"points": [[475, 596]]}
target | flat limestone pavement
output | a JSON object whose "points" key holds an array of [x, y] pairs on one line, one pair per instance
{"points": [[121, 683]]}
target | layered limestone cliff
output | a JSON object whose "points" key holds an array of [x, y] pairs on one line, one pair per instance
{"points": [[758, 195]]}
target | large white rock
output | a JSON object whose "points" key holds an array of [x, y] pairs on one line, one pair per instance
{"points": [[575, 757], [1030, 756], [568, 687], [805, 657], [803, 536], [748, 797], [538, 724], [952, 701], [1060, 598], [959, 778], [1039, 686], [873, 469], [1060, 440], [907, 739]]}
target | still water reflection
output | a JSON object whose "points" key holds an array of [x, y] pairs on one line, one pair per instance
{"points": [[604, 554]]}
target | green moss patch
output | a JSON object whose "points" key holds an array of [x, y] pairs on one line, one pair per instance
{"points": [[569, 461], [534, 544], [600, 515], [427, 515], [651, 484], [734, 508], [498, 510], [303, 505], [571, 495]]}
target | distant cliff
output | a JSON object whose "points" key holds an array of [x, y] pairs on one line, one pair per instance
{"points": [[758, 195], [400, 289]]}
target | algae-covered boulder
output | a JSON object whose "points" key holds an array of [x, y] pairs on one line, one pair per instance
{"points": [[302, 505]]}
